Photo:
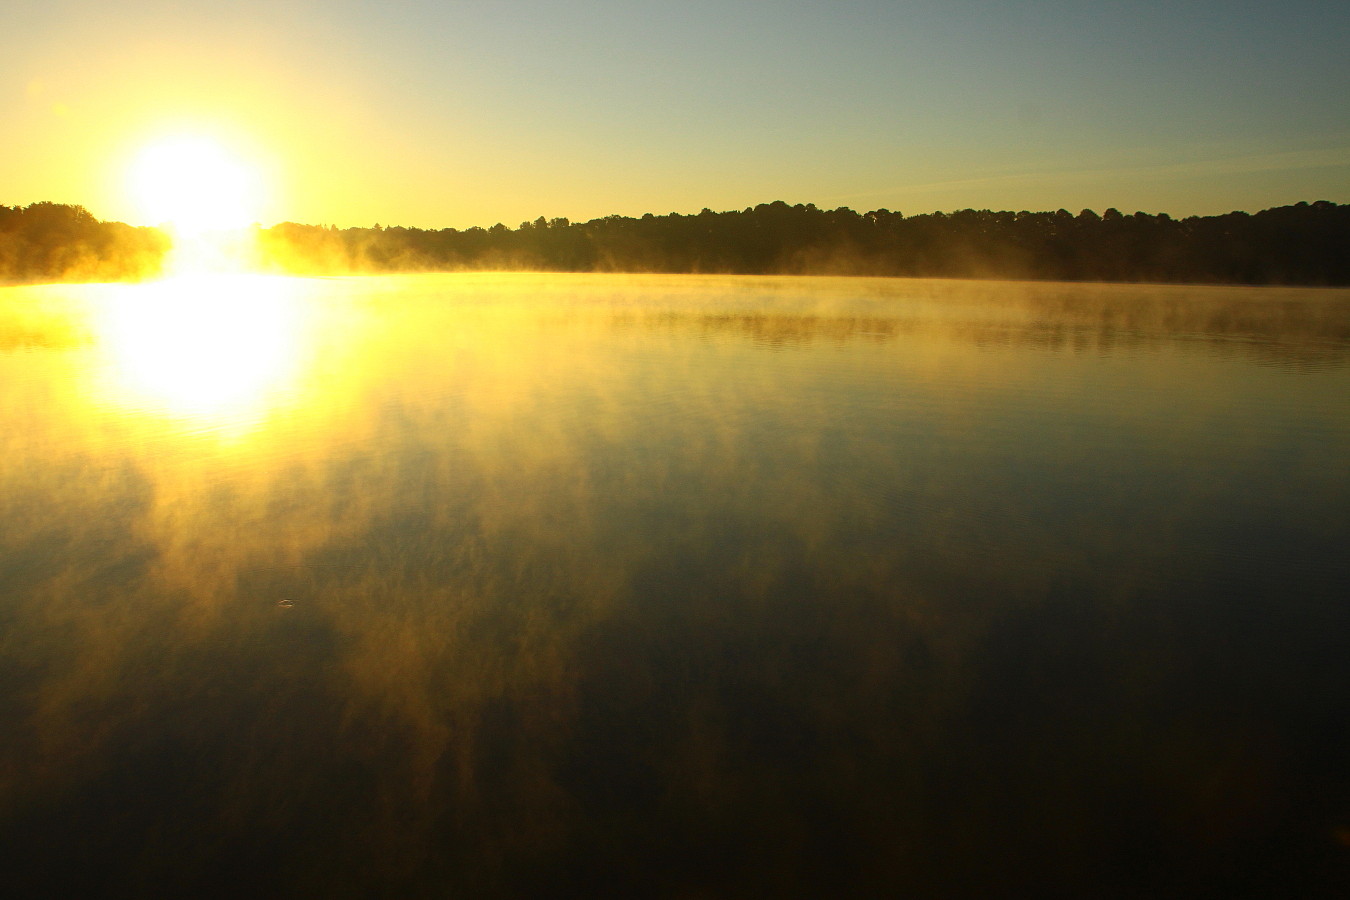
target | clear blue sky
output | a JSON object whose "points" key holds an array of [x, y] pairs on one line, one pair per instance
{"points": [[461, 113]]}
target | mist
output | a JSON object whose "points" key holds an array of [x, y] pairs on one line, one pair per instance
{"points": [[1296, 245]]}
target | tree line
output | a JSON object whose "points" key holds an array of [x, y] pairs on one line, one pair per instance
{"points": [[1305, 243], [57, 242]]}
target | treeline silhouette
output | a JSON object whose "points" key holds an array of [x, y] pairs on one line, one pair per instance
{"points": [[1307, 243], [56, 242]]}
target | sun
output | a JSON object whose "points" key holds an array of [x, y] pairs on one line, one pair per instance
{"points": [[194, 185]]}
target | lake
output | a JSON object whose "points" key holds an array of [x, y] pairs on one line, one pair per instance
{"points": [[504, 585]]}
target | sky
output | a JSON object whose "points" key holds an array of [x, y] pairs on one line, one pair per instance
{"points": [[453, 114]]}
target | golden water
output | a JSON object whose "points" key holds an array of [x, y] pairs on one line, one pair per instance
{"points": [[549, 584]]}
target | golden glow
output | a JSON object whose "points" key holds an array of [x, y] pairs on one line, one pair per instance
{"points": [[195, 185], [220, 351]]}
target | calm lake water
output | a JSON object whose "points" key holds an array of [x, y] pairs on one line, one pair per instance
{"points": [[675, 586]]}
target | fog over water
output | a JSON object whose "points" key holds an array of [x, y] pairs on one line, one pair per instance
{"points": [[673, 585]]}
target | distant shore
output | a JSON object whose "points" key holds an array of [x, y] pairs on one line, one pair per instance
{"points": [[1301, 244]]}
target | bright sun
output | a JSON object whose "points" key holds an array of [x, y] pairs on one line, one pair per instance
{"points": [[195, 185]]}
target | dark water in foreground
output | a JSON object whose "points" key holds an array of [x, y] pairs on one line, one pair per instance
{"points": [[472, 586]]}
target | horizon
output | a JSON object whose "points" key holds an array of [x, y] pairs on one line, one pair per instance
{"points": [[383, 224], [1292, 244]]}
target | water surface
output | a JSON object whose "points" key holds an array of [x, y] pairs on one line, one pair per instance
{"points": [[688, 586]]}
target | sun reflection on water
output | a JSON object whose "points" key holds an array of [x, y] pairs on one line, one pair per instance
{"points": [[219, 351]]}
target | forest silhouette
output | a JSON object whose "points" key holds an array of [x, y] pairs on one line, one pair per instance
{"points": [[1301, 244], [57, 242]]}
